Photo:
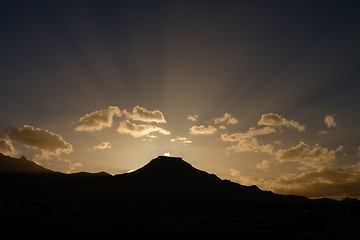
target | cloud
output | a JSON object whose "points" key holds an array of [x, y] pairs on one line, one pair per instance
{"points": [[201, 130], [302, 168], [181, 139], [7, 148], [325, 182], [264, 165], [98, 120], [59, 164], [103, 145], [49, 143], [331, 182], [247, 141], [250, 145], [329, 121], [234, 172], [249, 134], [144, 115], [323, 132], [152, 136], [316, 157], [228, 118], [192, 118], [139, 130], [275, 120]]}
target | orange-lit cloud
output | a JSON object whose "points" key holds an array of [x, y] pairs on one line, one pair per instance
{"points": [[250, 145], [192, 118], [49, 143], [323, 132], [228, 118], [139, 130], [144, 115], [98, 120], [264, 165], [59, 164], [249, 134], [181, 139], [325, 181], [330, 121], [247, 141], [72, 166], [152, 136], [234, 172], [7, 148], [149, 138], [202, 130], [275, 120], [103, 145], [332, 182], [316, 157]]}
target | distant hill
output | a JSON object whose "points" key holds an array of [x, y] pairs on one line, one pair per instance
{"points": [[21, 165], [163, 179]]}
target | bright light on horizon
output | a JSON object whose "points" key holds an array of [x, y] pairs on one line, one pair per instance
{"points": [[167, 154]]}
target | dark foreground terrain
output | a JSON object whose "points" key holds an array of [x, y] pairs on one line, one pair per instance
{"points": [[165, 197], [97, 219]]}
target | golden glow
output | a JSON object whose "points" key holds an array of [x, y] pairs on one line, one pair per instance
{"points": [[167, 154]]}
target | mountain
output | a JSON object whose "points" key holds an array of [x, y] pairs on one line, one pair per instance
{"points": [[167, 196], [173, 179], [163, 179], [21, 165]]}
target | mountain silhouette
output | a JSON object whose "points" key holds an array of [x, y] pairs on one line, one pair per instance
{"points": [[163, 179], [21, 165], [162, 197], [175, 180]]}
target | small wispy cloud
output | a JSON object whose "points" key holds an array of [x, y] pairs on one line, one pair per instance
{"points": [[252, 132], [144, 115], [181, 139], [264, 165], [139, 130], [275, 120], [250, 145], [192, 118], [202, 130], [330, 121], [103, 145], [7, 148], [322, 132], [227, 118]]}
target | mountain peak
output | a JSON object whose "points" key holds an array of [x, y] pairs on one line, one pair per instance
{"points": [[165, 160], [21, 165], [163, 164]]}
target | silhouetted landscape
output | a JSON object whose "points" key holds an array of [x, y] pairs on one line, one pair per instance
{"points": [[166, 196]]}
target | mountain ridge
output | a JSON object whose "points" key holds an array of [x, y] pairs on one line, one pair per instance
{"points": [[20, 165], [163, 179]]}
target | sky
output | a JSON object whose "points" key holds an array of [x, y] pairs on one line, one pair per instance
{"points": [[261, 93]]}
